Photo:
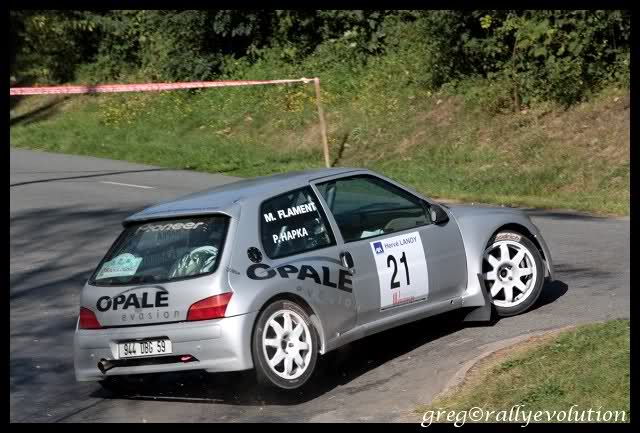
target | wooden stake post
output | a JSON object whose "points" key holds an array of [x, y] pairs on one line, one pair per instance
{"points": [[323, 125], [142, 87]]}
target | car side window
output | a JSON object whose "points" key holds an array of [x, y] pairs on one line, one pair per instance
{"points": [[365, 206], [293, 223]]}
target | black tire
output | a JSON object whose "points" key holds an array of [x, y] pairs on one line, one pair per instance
{"points": [[265, 375], [536, 286]]}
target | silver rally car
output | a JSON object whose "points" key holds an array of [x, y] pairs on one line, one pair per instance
{"points": [[272, 272]]}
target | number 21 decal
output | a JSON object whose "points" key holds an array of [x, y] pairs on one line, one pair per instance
{"points": [[391, 259], [402, 269]]}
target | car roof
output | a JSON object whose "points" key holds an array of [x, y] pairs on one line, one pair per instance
{"points": [[220, 199]]}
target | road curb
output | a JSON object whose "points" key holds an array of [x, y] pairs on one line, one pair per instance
{"points": [[491, 348], [488, 349]]}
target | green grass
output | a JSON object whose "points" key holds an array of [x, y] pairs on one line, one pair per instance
{"points": [[445, 145], [587, 366]]}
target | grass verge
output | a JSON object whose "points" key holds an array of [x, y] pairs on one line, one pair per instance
{"points": [[444, 145], [587, 367]]}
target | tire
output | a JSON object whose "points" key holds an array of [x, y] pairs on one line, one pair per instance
{"points": [[291, 343], [513, 276]]}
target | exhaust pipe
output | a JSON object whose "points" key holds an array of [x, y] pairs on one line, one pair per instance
{"points": [[105, 365]]}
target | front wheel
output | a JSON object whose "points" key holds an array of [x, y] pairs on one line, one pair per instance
{"points": [[284, 346], [513, 273]]}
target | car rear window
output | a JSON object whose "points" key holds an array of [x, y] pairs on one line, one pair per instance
{"points": [[162, 251]]}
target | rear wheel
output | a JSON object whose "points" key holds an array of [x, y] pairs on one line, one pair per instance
{"points": [[284, 346], [513, 273]]}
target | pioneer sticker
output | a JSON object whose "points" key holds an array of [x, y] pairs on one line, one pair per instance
{"points": [[169, 226]]}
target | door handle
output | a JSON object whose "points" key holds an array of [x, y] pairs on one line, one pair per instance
{"points": [[346, 259]]}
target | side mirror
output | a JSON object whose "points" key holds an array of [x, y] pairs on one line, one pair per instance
{"points": [[438, 215]]}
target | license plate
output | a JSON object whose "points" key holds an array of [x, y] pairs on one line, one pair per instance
{"points": [[134, 349]]}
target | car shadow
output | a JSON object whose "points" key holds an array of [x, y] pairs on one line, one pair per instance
{"points": [[551, 291], [101, 173], [40, 113], [334, 369], [73, 239], [563, 215]]}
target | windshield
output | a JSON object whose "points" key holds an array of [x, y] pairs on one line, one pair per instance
{"points": [[162, 251]]}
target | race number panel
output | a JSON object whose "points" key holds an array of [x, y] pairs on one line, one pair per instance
{"points": [[402, 269]]}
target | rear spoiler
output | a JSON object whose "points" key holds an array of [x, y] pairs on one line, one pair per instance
{"points": [[173, 214]]}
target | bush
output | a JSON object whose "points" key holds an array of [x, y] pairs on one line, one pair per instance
{"points": [[556, 55]]}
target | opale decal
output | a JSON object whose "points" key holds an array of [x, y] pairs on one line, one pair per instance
{"points": [[261, 271]]}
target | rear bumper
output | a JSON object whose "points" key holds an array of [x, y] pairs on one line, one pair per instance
{"points": [[218, 345]]}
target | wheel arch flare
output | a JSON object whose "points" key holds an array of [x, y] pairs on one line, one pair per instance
{"points": [[313, 315], [476, 234]]}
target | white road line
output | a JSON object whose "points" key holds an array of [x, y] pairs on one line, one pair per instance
{"points": [[127, 184]]}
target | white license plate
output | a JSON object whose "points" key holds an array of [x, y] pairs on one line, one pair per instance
{"points": [[134, 349]]}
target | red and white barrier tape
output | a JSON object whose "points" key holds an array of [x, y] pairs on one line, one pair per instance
{"points": [[118, 88]]}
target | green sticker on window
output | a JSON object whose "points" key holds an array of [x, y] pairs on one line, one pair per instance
{"points": [[123, 265]]}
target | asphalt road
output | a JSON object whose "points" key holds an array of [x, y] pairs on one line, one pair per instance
{"points": [[66, 210]]}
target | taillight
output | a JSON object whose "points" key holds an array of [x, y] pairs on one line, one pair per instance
{"points": [[213, 307], [88, 319]]}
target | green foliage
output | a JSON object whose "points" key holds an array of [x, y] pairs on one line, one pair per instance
{"points": [[525, 55], [48, 44], [562, 56], [556, 55]]}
